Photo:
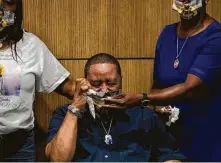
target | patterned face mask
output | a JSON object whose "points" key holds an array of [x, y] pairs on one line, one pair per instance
{"points": [[9, 2], [7, 18], [187, 9]]}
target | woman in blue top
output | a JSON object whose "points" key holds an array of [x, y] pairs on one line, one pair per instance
{"points": [[187, 73]]}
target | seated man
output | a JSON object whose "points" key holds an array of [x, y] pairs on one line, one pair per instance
{"points": [[123, 135]]}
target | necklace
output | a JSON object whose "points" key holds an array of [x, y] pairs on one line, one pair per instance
{"points": [[108, 138], [178, 53]]}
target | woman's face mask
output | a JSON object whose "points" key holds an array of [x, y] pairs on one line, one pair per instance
{"points": [[187, 8], [7, 17]]}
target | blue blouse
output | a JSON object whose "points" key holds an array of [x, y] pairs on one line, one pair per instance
{"points": [[198, 130], [138, 136]]}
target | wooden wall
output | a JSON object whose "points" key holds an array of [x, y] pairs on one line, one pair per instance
{"points": [[74, 30]]}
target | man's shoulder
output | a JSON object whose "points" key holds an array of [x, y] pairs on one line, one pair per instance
{"points": [[143, 118], [141, 111]]}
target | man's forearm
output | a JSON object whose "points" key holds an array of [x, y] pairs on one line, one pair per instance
{"points": [[62, 147]]}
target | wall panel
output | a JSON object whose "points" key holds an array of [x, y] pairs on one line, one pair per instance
{"points": [[80, 28]]}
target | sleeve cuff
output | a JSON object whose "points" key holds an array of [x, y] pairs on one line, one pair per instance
{"points": [[53, 87], [201, 74]]}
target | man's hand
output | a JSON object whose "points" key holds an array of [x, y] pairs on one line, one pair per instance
{"points": [[80, 93], [123, 101]]}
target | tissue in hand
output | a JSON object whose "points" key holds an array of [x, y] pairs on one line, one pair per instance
{"points": [[94, 98]]}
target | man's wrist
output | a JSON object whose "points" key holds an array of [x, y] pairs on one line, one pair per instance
{"points": [[74, 110]]}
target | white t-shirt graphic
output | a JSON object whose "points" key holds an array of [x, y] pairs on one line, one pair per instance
{"points": [[36, 69]]}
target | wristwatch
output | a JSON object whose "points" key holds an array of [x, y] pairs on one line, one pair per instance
{"points": [[75, 111], [145, 100]]}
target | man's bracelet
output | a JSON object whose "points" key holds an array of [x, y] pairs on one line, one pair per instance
{"points": [[75, 111]]}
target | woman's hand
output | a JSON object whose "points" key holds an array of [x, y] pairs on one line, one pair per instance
{"points": [[162, 109], [123, 101], [163, 112]]}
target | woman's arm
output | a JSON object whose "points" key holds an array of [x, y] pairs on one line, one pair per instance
{"points": [[66, 88], [192, 88]]}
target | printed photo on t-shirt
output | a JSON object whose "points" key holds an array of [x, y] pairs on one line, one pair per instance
{"points": [[10, 74]]}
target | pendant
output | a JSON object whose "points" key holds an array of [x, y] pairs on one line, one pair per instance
{"points": [[108, 139], [176, 63]]}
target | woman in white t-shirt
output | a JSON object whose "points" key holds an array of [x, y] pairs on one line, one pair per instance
{"points": [[28, 66]]}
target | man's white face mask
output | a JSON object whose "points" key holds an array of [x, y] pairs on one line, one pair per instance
{"points": [[187, 9], [95, 99]]}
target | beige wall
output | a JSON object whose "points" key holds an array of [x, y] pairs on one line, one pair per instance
{"points": [[76, 29]]}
